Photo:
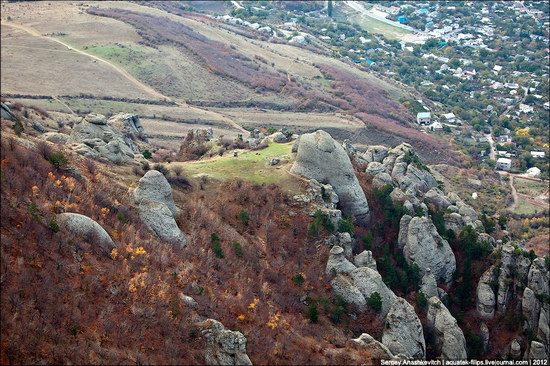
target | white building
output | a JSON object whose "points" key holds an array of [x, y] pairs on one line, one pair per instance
{"points": [[504, 164], [538, 154], [533, 172], [450, 117], [424, 118]]}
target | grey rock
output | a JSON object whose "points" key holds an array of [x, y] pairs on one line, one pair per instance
{"points": [[452, 209], [403, 332], [435, 198], [449, 339], [425, 248], [403, 230], [485, 296], [483, 237], [320, 157], [515, 350], [188, 301], [365, 259], [84, 226], [454, 222], [375, 168], [544, 321], [158, 218], [398, 196], [38, 126], [538, 277], [537, 351], [382, 179], [369, 281], [85, 150], [224, 346], [343, 286], [530, 307], [6, 113], [346, 242], [97, 119], [154, 186], [376, 153], [337, 262], [278, 137], [507, 264], [428, 285], [375, 348], [274, 161], [55, 137]]}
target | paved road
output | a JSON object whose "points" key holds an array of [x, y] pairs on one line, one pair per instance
{"points": [[492, 153]]}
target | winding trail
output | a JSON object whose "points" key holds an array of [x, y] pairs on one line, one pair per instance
{"points": [[140, 85]]}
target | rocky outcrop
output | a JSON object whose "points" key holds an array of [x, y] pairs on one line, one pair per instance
{"points": [[403, 332], [537, 351], [224, 346], [154, 186], [87, 228], [365, 259], [343, 286], [319, 157], [94, 137], [158, 218], [55, 137], [6, 113], [449, 339], [323, 198], [485, 298], [515, 350], [369, 281], [428, 284], [423, 246], [376, 349], [337, 262], [530, 307], [129, 126]]}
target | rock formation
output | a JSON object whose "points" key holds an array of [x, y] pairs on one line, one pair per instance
{"points": [[337, 262], [153, 197], [377, 349], [403, 332], [224, 346], [154, 186], [485, 296], [423, 246], [321, 158], [84, 226], [450, 341]]}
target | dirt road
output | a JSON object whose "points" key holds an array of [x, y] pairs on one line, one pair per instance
{"points": [[146, 88]]}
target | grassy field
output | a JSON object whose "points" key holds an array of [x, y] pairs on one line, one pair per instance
{"points": [[530, 187], [372, 25], [526, 207], [249, 166]]}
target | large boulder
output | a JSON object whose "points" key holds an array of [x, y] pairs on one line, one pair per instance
{"points": [[537, 351], [154, 186], [158, 218], [403, 332], [485, 296], [84, 226], [342, 286], [424, 247], [224, 346], [369, 281], [321, 158], [530, 307], [107, 141], [337, 262], [55, 137], [376, 349], [429, 284], [449, 339], [129, 125], [436, 199], [365, 259]]}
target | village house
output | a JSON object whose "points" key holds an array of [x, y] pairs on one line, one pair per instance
{"points": [[449, 118], [504, 164], [424, 118], [538, 154]]}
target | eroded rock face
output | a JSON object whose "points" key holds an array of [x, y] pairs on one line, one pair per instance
{"points": [[94, 134], [537, 351], [450, 341], [337, 262], [485, 299], [224, 346], [437, 199], [158, 218], [429, 285], [377, 349], [484, 334], [365, 259], [515, 350], [319, 157], [403, 332], [424, 247], [55, 137], [369, 281], [84, 226], [154, 186], [343, 286]]}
